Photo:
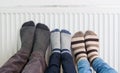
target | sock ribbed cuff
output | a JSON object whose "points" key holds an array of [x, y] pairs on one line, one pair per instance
{"points": [[56, 50], [65, 51]]}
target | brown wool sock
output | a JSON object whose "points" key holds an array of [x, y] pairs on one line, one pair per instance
{"points": [[92, 45], [78, 46]]}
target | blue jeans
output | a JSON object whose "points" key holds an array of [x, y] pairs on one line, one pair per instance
{"points": [[98, 65]]}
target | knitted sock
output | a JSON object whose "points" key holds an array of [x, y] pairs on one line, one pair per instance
{"points": [[27, 35], [65, 41], [78, 46], [55, 40], [42, 38], [92, 45]]}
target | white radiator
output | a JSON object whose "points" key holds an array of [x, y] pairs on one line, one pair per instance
{"points": [[104, 21]]}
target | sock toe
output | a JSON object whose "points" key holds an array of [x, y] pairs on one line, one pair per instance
{"points": [[65, 31], [78, 34], [29, 23], [55, 30], [89, 32], [42, 26]]}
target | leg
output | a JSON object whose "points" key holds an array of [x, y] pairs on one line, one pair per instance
{"points": [[91, 41], [84, 66], [79, 51], [67, 59], [17, 62], [37, 62], [54, 62], [67, 63], [101, 67]]}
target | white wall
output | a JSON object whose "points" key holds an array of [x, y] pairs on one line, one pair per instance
{"points": [[57, 2]]}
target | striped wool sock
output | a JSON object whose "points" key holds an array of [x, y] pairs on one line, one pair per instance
{"points": [[55, 41], [92, 45], [65, 41], [78, 46]]}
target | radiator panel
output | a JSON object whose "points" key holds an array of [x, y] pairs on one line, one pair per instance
{"points": [[105, 23]]}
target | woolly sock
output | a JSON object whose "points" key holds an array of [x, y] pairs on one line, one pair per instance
{"points": [[55, 41], [42, 38], [92, 45], [78, 46], [65, 41], [27, 35]]}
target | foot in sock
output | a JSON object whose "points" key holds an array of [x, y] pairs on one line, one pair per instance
{"points": [[78, 46], [65, 41], [27, 35], [42, 38], [36, 61], [92, 45], [55, 41]]}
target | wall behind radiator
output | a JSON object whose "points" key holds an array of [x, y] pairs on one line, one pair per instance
{"points": [[104, 21], [57, 2]]}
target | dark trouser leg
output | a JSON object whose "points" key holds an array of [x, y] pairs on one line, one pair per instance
{"points": [[67, 63], [36, 63], [17, 62], [54, 64]]}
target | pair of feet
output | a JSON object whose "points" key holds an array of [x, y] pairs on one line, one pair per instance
{"points": [[37, 38], [34, 38], [85, 46], [60, 41]]}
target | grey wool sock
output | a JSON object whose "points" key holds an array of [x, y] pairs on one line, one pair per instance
{"points": [[65, 41], [42, 38], [27, 35], [55, 41]]}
